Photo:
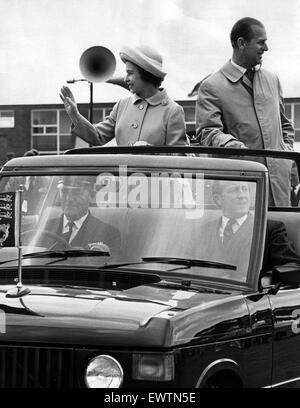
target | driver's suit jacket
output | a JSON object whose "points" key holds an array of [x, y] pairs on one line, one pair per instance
{"points": [[92, 232]]}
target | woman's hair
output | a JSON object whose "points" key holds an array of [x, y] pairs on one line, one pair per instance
{"points": [[147, 77], [243, 28]]}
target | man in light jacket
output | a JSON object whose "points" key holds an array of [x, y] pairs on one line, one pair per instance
{"points": [[241, 105]]}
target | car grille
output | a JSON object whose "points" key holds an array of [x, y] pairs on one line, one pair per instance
{"points": [[36, 367]]}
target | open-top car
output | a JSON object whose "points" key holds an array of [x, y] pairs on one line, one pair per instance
{"points": [[114, 277]]}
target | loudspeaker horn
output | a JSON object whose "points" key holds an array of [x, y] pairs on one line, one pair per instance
{"points": [[97, 64]]}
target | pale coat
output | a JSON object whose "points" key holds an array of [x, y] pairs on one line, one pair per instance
{"points": [[157, 120], [225, 111]]}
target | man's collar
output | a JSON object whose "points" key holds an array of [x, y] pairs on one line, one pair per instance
{"points": [[234, 72], [242, 69], [78, 223], [239, 221], [231, 72], [160, 97]]}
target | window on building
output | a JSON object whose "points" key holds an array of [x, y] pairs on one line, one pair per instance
{"points": [[7, 119], [189, 112], [297, 124], [292, 111], [51, 131], [64, 123], [297, 115], [107, 111], [99, 114], [288, 110]]}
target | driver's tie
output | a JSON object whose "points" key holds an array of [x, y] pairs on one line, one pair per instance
{"points": [[68, 234]]}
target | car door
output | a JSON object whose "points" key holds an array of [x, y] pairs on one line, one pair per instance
{"points": [[286, 337], [258, 354]]}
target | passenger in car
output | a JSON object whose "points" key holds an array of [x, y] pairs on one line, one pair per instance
{"points": [[148, 117], [229, 237], [76, 225]]}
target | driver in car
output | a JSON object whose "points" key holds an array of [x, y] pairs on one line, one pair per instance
{"points": [[77, 227]]}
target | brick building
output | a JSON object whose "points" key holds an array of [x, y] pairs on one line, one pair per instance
{"points": [[47, 127]]}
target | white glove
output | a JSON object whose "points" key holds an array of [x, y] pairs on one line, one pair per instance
{"points": [[141, 143], [235, 143]]}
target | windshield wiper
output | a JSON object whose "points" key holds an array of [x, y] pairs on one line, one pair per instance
{"points": [[62, 254], [188, 285], [175, 261], [140, 299], [67, 253], [189, 262]]}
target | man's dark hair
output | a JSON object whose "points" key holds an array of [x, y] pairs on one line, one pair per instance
{"points": [[243, 28], [147, 77], [217, 187], [32, 152]]}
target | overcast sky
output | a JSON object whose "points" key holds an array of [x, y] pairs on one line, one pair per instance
{"points": [[41, 42]]}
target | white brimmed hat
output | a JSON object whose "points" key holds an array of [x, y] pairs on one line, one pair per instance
{"points": [[146, 58]]}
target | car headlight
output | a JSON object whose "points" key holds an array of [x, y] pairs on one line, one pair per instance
{"points": [[153, 367], [104, 372]]}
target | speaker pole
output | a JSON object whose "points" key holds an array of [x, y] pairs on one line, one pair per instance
{"points": [[91, 118]]}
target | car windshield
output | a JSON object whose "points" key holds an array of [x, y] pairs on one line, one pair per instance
{"points": [[146, 219]]}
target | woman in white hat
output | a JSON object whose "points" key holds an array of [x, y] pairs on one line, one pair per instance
{"points": [[148, 116]]}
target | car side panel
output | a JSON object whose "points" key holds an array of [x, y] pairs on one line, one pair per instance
{"points": [[286, 349]]}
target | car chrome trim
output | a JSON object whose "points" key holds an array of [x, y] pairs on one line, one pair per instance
{"points": [[283, 382], [211, 365]]}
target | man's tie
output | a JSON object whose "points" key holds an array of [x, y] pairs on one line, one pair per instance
{"points": [[250, 74], [68, 234], [247, 81], [228, 231]]}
